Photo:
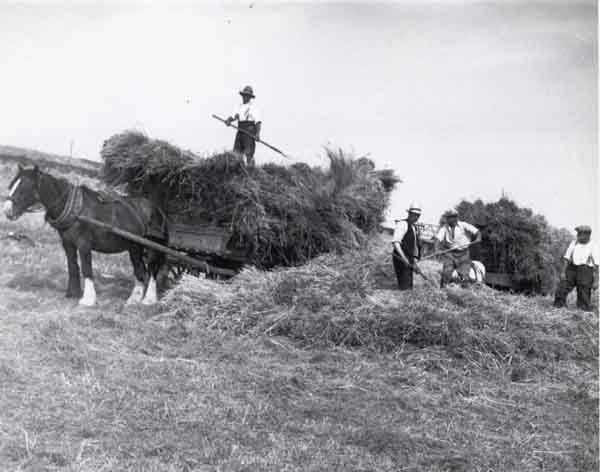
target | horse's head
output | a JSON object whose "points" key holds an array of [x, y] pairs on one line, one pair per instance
{"points": [[22, 192]]}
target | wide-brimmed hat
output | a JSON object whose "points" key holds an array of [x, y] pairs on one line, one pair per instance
{"points": [[247, 90], [451, 212], [414, 208], [583, 229]]}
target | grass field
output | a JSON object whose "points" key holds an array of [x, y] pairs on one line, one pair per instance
{"points": [[495, 382]]}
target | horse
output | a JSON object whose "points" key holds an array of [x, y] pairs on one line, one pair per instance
{"points": [[476, 274], [65, 202]]}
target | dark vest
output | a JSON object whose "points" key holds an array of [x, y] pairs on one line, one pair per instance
{"points": [[408, 242]]}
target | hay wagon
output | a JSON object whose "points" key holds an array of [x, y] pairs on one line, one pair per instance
{"points": [[195, 245]]}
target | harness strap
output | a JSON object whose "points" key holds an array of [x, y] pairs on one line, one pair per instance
{"points": [[70, 211]]}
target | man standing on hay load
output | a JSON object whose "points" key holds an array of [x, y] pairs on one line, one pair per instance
{"points": [[455, 237], [407, 248], [579, 270], [249, 121]]}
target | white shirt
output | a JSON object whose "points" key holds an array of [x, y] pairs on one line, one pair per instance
{"points": [[580, 254], [400, 231], [461, 236], [247, 112]]}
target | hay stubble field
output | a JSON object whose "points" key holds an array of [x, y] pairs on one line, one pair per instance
{"points": [[304, 370]]}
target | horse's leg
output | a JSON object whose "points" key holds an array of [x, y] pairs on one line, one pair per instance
{"points": [[136, 256], [89, 291], [74, 284], [156, 260]]}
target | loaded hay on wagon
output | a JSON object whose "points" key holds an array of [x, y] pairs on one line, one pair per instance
{"points": [[275, 215]]}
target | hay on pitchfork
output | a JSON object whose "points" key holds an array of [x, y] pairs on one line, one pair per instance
{"points": [[278, 215]]}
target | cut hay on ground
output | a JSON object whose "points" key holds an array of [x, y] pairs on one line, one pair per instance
{"points": [[334, 300], [278, 215]]}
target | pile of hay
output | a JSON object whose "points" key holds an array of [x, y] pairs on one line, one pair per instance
{"points": [[517, 241], [335, 300], [278, 215]]}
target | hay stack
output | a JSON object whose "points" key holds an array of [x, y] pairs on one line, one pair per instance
{"points": [[278, 215]]}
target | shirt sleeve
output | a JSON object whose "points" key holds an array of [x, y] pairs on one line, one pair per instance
{"points": [[441, 234], [469, 228], [596, 255], [256, 114], [569, 251], [400, 231]]}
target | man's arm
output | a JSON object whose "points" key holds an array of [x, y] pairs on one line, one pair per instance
{"points": [[473, 232], [232, 118], [399, 233], [563, 269], [439, 239], [565, 260], [400, 252], [596, 259]]}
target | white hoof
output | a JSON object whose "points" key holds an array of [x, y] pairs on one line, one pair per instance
{"points": [[136, 294], [89, 293], [151, 297]]}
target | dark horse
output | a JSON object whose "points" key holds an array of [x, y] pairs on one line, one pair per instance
{"points": [[64, 202]]}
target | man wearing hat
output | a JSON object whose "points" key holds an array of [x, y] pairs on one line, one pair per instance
{"points": [[248, 118], [455, 237], [406, 247], [579, 270]]}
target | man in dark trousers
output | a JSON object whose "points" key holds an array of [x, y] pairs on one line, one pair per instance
{"points": [[579, 270], [406, 248], [248, 118]]}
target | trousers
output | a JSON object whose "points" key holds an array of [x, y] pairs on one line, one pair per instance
{"points": [[580, 277], [244, 144], [404, 274], [456, 260]]}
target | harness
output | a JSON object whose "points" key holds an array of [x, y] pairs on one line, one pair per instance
{"points": [[72, 209]]}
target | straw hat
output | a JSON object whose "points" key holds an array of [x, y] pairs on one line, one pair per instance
{"points": [[247, 90], [413, 208]]}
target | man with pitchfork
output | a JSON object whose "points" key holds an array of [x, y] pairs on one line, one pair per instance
{"points": [[406, 248], [455, 237], [249, 124]]}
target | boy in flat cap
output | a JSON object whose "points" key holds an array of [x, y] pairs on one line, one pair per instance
{"points": [[406, 248], [249, 120], [579, 270]]}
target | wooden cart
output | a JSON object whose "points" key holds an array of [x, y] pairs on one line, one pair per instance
{"points": [[194, 245]]}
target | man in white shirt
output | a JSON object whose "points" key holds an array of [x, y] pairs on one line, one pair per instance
{"points": [[406, 248], [248, 118], [456, 236], [579, 270]]}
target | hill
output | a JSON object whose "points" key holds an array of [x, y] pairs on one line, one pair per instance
{"points": [[62, 164]]}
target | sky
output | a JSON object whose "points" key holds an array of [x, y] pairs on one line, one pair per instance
{"points": [[464, 99]]}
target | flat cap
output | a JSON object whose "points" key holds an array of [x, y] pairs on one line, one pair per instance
{"points": [[451, 212], [583, 229]]}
